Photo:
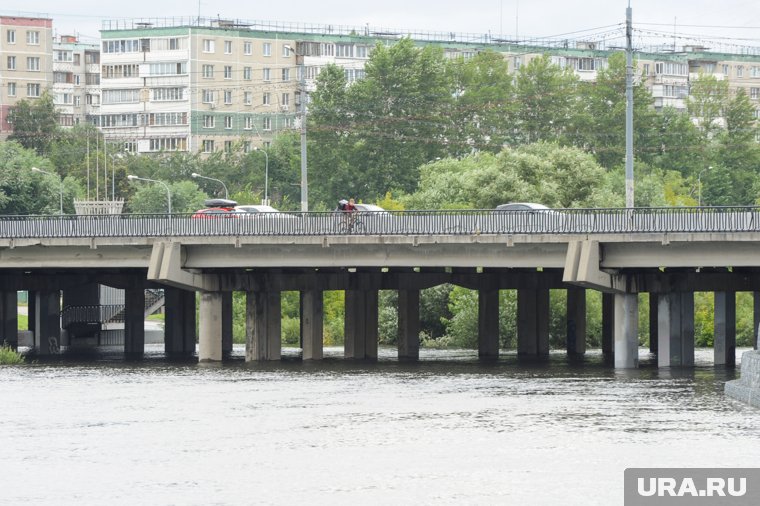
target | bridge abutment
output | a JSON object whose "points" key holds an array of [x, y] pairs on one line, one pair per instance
{"points": [[626, 330]]}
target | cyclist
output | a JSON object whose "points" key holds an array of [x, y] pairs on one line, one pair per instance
{"points": [[348, 210]]}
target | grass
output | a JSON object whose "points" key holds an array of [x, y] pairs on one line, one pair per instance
{"points": [[23, 322], [156, 317], [9, 356]]}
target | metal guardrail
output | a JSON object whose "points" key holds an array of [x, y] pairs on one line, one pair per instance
{"points": [[458, 222], [92, 314]]}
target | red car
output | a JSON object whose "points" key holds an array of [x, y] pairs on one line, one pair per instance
{"points": [[217, 208]]}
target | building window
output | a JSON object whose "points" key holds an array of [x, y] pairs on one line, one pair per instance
{"points": [[267, 124], [208, 46], [11, 89], [266, 98], [63, 56], [754, 72], [167, 118], [208, 146], [754, 93], [228, 97], [228, 146], [247, 73], [169, 69], [285, 100], [227, 47], [246, 146], [33, 90], [174, 44], [130, 96], [168, 144], [33, 38], [286, 74], [267, 49], [33, 63], [247, 48], [361, 51], [228, 122], [208, 71], [228, 71], [286, 50], [10, 36], [247, 98], [266, 74], [121, 46], [208, 96], [77, 80], [740, 71], [248, 123], [725, 70], [11, 63], [77, 59], [208, 121], [645, 72], [77, 101], [344, 50], [168, 94]]}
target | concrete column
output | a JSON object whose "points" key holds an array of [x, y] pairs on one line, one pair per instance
{"points": [[47, 322], [608, 323], [626, 331], [409, 324], [134, 322], [654, 325], [312, 324], [676, 329], [532, 322], [9, 318], [226, 324], [361, 324], [724, 347], [210, 327], [488, 323], [32, 309], [263, 322], [179, 328], [576, 321], [756, 327]]}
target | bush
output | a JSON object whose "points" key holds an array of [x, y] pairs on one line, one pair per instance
{"points": [[9, 356]]}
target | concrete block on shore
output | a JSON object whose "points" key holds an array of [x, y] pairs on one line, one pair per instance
{"points": [[747, 387]]}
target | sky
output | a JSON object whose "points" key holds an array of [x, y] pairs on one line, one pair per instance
{"points": [[733, 21]]}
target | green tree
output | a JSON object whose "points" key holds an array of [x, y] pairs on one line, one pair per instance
{"points": [[151, 198], [708, 97], [23, 191], [35, 123]]}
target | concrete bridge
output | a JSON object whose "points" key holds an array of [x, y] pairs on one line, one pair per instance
{"points": [[669, 253]]}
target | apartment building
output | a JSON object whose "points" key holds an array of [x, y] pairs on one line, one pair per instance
{"points": [[26, 63], [76, 80]]}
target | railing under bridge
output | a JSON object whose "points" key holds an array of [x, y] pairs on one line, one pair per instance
{"points": [[454, 222]]}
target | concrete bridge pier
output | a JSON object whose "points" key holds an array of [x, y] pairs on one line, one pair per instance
{"points": [[9, 318], [312, 322], [626, 330], [263, 326], [210, 327], [724, 342], [675, 329], [608, 324], [756, 319], [47, 322], [360, 328], [134, 322], [576, 321], [179, 329], [654, 302], [409, 325], [532, 322]]}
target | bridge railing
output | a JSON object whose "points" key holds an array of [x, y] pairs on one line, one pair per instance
{"points": [[448, 222]]}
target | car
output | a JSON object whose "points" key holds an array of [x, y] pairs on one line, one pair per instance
{"points": [[527, 217], [370, 208], [255, 209], [216, 208], [522, 206]]}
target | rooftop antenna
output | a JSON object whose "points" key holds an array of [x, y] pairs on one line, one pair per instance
{"points": [[675, 18]]}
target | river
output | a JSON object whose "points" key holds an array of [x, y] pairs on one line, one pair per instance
{"points": [[447, 430]]}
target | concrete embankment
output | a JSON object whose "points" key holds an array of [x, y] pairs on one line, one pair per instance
{"points": [[747, 387]]}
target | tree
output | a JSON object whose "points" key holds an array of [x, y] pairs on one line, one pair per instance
{"points": [[708, 97], [151, 198], [35, 124], [21, 190]]}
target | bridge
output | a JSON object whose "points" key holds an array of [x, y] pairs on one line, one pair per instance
{"points": [[669, 253]]}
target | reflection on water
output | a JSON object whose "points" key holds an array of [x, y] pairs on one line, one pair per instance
{"points": [[447, 430]]}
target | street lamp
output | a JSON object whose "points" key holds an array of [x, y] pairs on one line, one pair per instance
{"points": [[168, 192], [113, 174], [266, 176], [699, 185], [226, 193], [302, 110], [40, 171]]}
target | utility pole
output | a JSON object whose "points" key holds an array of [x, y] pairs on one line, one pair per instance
{"points": [[300, 60], [628, 108]]}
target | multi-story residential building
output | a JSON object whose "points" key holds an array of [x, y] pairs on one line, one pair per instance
{"points": [[26, 62], [76, 80]]}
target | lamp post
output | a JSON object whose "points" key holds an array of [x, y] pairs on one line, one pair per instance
{"points": [[302, 110], [699, 185], [113, 174], [40, 171], [266, 176], [226, 193], [168, 192]]}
